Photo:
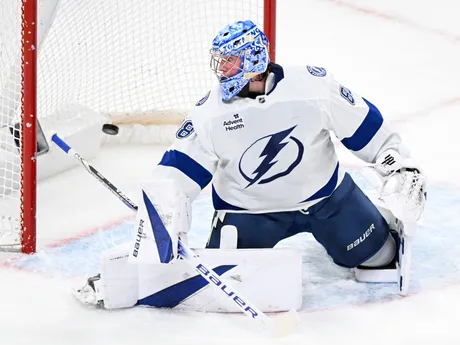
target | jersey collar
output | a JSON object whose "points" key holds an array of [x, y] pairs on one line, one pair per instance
{"points": [[275, 75]]}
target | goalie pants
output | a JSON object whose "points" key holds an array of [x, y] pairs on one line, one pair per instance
{"points": [[346, 224]]}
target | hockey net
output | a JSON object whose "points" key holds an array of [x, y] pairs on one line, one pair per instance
{"points": [[99, 61]]}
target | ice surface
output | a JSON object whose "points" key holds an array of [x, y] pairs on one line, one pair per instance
{"points": [[401, 55]]}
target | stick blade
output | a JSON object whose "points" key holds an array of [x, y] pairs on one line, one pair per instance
{"points": [[286, 324]]}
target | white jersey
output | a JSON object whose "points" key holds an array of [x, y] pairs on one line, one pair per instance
{"points": [[274, 152]]}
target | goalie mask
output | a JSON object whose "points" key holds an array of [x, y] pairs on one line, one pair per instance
{"points": [[242, 47]]}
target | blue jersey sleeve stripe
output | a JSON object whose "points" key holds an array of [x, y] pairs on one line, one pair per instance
{"points": [[188, 166], [366, 131]]}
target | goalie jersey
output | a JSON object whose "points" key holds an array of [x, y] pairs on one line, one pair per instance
{"points": [[274, 152]]}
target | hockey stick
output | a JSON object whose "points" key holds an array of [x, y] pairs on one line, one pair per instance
{"points": [[280, 325]]}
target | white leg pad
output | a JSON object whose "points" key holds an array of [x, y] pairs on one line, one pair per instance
{"points": [[271, 278], [399, 274], [390, 275], [119, 279], [405, 258]]}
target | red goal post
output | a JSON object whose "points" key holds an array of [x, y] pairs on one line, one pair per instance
{"points": [[28, 190], [75, 65]]}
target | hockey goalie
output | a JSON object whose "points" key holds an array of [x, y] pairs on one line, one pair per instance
{"points": [[262, 138]]}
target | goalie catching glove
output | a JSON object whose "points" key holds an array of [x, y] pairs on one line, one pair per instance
{"points": [[404, 186]]}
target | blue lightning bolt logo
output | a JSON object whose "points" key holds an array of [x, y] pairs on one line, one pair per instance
{"points": [[271, 150]]}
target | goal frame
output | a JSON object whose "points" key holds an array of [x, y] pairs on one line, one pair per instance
{"points": [[28, 191]]}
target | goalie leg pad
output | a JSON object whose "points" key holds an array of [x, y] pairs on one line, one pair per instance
{"points": [[396, 272], [119, 279], [384, 256], [164, 214], [382, 274], [271, 278]]}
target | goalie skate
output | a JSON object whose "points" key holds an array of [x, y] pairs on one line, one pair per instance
{"points": [[89, 293]]}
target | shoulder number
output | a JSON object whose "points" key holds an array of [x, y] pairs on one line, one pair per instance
{"points": [[185, 130], [346, 93]]}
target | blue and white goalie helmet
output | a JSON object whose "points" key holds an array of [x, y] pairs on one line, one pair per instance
{"points": [[239, 53]]}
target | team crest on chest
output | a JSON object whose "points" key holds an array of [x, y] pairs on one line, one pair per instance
{"points": [[271, 157]]}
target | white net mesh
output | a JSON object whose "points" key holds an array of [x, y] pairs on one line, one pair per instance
{"points": [[132, 56], [10, 95], [109, 56]]}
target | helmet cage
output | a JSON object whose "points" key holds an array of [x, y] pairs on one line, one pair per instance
{"points": [[217, 59]]}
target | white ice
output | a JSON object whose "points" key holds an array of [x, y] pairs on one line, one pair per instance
{"points": [[404, 56]]}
